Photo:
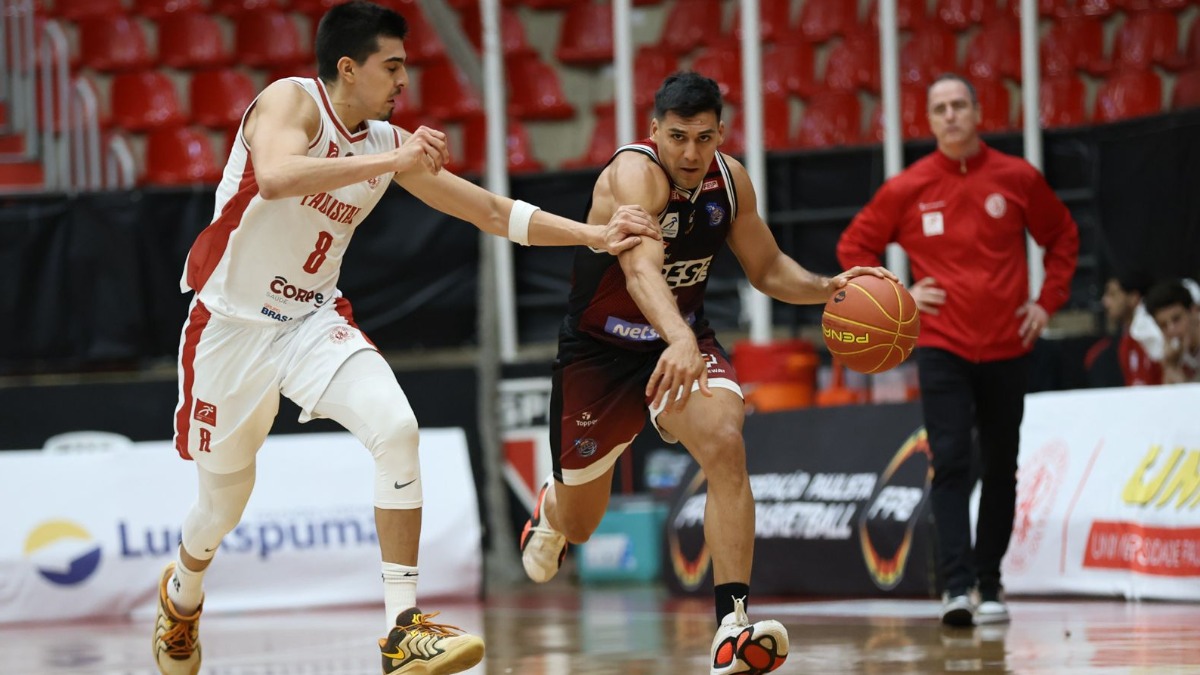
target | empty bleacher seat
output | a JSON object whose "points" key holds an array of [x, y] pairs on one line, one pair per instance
{"points": [[1187, 90], [268, 39], [113, 44], [995, 105], [788, 67], [831, 118], [602, 143], [930, 52], [423, 45], [145, 101], [536, 93], [517, 146], [1077, 41], [235, 8], [180, 156], [189, 41], [652, 65], [220, 97], [823, 19], [722, 63], [512, 31], [774, 20], [961, 14], [1148, 38], [586, 37], [690, 24], [995, 52], [1061, 102], [910, 14], [157, 9], [76, 10], [914, 121], [853, 63], [1128, 93], [446, 94]]}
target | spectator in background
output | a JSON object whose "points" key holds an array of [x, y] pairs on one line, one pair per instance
{"points": [[1178, 317], [1118, 359], [962, 214]]}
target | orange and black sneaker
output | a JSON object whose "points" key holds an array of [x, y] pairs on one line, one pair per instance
{"points": [[542, 547], [744, 648], [176, 637], [417, 645]]}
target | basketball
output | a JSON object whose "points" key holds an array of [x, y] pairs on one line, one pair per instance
{"points": [[871, 325]]}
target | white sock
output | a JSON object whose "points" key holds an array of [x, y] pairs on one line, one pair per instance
{"points": [[185, 589], [399, 590]]}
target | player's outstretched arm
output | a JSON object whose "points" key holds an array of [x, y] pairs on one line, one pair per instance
{"points": [[767, 267], [281, 127], [522, 222]]}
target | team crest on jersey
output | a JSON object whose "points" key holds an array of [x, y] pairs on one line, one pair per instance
{"points": [[715, 213], [373, 182], [333, 150], [670, 225], [995, 205], [340, 334]]}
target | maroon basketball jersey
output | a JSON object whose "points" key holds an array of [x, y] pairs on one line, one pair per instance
{"points": [[695, 224]]}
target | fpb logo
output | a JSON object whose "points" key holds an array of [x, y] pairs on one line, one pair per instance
{"points": [[63, 552]]}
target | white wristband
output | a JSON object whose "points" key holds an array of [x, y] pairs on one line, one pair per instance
{"points": [[518, 221]]}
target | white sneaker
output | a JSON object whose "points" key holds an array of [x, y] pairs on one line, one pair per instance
{"points": [[542, 547], [743, 648], [957, 610], [992, 610]]}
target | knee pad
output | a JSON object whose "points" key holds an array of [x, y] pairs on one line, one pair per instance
{"points": [[218, 509], [397, 463]]}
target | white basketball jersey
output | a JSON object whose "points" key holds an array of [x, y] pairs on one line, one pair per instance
{"points": [[277, 261]]}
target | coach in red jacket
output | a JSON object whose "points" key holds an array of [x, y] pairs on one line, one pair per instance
{"points": [[961, 214]]}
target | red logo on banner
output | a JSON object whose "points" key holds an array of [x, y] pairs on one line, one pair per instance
{"points": [[1162, 551], [1038, 483], [206, 413]]}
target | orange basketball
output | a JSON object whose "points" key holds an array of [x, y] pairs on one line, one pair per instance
{"points": [[871, 325]]}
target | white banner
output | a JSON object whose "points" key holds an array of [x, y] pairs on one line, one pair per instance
{"points": [[87, 534], [1108, 494]]}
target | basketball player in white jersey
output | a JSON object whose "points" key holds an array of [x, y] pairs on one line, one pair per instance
{"points": [[312, 158]]}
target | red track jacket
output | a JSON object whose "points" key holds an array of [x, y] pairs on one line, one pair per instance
{"points": [[963, 223]]}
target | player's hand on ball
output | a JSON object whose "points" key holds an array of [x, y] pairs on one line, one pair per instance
{"points": [[929, 296], [627, 227], [424, 147], [844, 278]]}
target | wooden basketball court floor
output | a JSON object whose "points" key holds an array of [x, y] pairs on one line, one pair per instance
{"points": [[642, 631]]}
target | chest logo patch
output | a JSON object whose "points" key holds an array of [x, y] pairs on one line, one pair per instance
{"points": [[670, 225], [995, 205], [932, 224], [715, 213]]}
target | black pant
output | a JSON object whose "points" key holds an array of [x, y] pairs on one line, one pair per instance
{"points": [[958, 396]]}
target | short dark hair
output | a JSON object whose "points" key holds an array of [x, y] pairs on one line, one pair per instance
{"points": [[687, 94], [955, 77], [1168, 294], [353, 30], [1134, 281]]}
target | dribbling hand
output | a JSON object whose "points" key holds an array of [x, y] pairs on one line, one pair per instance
{"points": [[424, 147], [627, 227]]}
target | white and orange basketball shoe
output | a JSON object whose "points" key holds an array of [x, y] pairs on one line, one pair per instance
{"points": [[176, 637], [417, 645], [542, 547], [744, 648]]}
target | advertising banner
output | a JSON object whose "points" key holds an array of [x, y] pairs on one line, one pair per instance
{"points": [[1108, 494], [840, 502], [87, 534]]}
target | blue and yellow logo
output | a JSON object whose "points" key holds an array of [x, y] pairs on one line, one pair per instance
{"points": [[63, 552]]}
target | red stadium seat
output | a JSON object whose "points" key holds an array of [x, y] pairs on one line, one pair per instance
{"points": [[927, 54], [317, 8], [586, 38], [1061, 102], [853, 63], [512, 31], [777, 122], [691, 24], [408, 116], [157, 9], [234, 8], [1192, 50], [722, 63], [995, 105], [145, 101], [788, 67], [1148, 38], [180, 156], [520, 154], [995, 52], [914, 121], [75, 10], [1131, 6], [910, 14], [651, 66], [1187, 90], [1096, 8], [446, 94], [831, 118], [423, 44], [961, 14], [269, 39], [113, 44], [1129, 93], [1046, 8], [1074, 43], [774, 20], [1173, 5], [188, 41], [220, 97], [603, 141], [822, 19], [535, 92]]}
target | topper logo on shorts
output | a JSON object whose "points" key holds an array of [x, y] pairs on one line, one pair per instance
{"points": [[686, 272], [64, 553], [846, 336], [281, 289]]}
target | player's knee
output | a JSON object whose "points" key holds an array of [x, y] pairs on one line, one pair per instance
{"points": [[396, 432], [721, 452]]}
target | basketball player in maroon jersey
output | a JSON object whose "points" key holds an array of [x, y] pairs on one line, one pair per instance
{"points": [[635, 338]]}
